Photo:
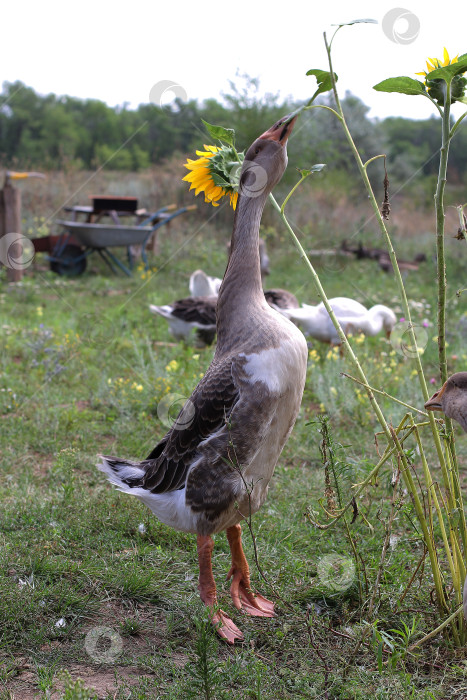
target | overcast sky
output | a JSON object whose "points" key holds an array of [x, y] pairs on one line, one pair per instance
{"points": [[119, 51]]}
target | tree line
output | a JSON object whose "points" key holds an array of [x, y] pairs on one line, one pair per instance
{"points": [[55, 132]]}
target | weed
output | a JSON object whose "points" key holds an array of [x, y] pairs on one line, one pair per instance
{"points": [[205, 678], [130, 627]]}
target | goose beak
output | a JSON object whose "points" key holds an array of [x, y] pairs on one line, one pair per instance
{"points": [[281, 130], [434, 404]]}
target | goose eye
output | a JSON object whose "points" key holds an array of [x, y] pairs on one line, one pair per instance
{"points": [[257, 150]]}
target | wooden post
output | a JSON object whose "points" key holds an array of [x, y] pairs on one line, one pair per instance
{"points": [[10, 222]]}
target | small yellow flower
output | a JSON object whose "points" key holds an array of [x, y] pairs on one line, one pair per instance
{"points": [[333, 391], [203, 171], [39, 311], [434, 63], [172, 366]]}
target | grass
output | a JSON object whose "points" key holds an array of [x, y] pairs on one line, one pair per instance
{"points": [[86, 369]]}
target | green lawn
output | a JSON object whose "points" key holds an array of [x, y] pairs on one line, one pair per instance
{"points": [[94, 587]]}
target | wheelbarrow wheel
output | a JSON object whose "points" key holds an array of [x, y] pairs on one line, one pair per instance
{"points": [[71, 263]]}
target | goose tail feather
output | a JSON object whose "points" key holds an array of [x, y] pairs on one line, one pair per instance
{"points": [[124, 474], [165, 311]]}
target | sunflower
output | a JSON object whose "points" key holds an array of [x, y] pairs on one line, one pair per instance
{"points": [[434, 63], [215, 173], [436, 87]]}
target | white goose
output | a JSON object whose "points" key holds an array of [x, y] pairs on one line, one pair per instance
{"points": [[184, 316], [202, 285], [213, 467], [352, 316], [198, 314]]}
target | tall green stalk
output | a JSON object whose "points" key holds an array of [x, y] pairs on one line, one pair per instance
{"points": [[446, 136], [452, 500], [440, 217]]}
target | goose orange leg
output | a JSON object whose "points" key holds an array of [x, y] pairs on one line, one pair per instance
{"points": [[225, 628], [242, 595]]}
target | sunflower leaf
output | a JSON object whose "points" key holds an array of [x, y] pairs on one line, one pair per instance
{"points": [[314, 169], [220, 133], [317, 167], [447, 73], [219, 181], [403, 84], [356, 21], [323, 78]]}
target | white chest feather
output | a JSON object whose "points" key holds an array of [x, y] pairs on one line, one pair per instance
{"points": [[279, 368]]}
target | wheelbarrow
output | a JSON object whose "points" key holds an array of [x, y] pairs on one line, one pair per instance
{"points": [[69, 251]]}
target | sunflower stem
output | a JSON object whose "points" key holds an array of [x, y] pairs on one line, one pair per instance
{"points": [[395, 267], [440, 218], [303, 178]]}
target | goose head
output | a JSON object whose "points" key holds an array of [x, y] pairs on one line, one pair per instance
{"points": [[266, 160], [451, 399], [375, 320], [202, 285], [387, 317]]}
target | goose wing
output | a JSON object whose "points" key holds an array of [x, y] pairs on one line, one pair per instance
{"points": [[203, 415], [199, 310], [281, 298]]}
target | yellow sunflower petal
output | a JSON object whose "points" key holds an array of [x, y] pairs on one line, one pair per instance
{"points": [[200, 177]]}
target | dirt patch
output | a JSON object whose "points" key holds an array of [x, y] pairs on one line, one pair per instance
{"points": [[41, 464], [102, 681], [106, 678]]}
